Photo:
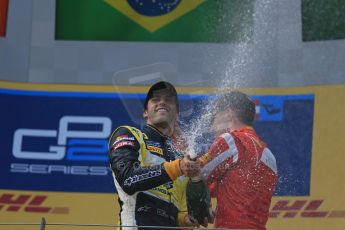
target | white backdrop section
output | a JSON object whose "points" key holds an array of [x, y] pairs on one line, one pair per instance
{"points": [[15, 47], [277, 57]]}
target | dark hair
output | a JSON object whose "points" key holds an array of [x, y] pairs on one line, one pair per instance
{"points": [[238, 102], [158, 86]]}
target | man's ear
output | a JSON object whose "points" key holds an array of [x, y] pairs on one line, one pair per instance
{"points": [[145, 115]]}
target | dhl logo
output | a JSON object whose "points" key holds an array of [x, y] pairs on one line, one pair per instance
{"points": [[302, 208], [28, 203]]}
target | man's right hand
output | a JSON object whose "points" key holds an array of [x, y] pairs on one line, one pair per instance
{"points": [[189, 167], [191, 222]]}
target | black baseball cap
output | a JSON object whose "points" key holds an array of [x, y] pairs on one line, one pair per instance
{"points": [[158, 86]]}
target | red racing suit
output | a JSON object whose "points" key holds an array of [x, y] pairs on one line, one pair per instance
{"points": [[241, 173]]}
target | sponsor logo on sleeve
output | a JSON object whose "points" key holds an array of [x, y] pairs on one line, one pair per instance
{"points": [[123, 138], [123, 143]]}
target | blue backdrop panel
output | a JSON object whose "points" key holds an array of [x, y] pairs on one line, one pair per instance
{"points": [[57, 141]]}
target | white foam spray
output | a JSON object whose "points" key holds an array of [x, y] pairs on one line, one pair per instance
{"points": [[244, 64]]}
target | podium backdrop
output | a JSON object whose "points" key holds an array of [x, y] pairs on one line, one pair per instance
{"points": [[53, 151]]}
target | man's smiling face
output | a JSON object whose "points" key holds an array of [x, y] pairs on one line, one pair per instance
{"points": [[161, 109]]}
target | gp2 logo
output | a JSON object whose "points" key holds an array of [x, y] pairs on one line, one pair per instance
{"points": [[81, 145]]}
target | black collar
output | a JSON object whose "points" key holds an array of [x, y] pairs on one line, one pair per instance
{"points": [[154, 134]]}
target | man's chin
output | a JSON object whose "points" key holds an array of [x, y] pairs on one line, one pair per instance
{"points": [[163, 122]]}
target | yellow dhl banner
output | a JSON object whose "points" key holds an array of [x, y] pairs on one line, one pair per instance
{"points": [[102, 209]]}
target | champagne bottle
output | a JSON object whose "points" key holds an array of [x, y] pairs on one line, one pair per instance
{"points": [[198, 199]]}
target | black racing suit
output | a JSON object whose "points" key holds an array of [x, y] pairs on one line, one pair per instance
{"points": [[147, 177]]}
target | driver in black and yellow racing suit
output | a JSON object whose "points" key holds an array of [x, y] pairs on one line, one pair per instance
{"points": [[149, 174]]}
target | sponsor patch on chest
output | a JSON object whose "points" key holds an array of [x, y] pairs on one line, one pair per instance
{"points": [[153, 143], [155, 149]]}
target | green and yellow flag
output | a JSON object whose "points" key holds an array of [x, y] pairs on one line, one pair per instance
{"points": [[323, 19], [154, 20]]}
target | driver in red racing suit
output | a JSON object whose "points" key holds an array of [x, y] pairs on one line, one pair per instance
{"points": [[240, 170]]}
